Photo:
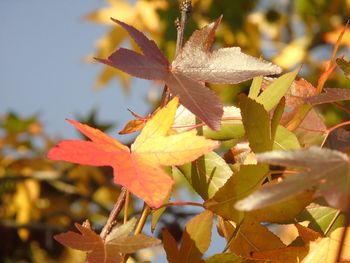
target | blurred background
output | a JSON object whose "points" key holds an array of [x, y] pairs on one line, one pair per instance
{"points": [[47, 74]]}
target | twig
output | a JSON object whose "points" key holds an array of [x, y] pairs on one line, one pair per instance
{"points": [[114, 214], [126, 207], [185, 8], [146, 211]]}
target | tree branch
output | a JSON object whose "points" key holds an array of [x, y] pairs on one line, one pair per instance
{"points": [[114, 214]]}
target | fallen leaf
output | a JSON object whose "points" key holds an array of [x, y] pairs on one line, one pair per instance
{"points": [[139, 169], [195, 64]]}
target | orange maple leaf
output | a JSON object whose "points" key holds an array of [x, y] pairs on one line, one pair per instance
{"points": [[138, 169]]}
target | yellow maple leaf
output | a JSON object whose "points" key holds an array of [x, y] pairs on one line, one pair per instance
{"points": [[326, 249], [138, 169]]}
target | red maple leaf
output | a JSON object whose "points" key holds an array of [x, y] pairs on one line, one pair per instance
{"points": [[195, 64], [138, 169]]}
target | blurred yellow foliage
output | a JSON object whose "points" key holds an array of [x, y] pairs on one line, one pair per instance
{"points": [[142, 15]]}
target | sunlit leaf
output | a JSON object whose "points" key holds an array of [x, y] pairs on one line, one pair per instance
{"points": [[240, 184], [225, 65], [255, 87], [285, 139], [109, 250], [284, 211], [326, 170], [231, 124], [195, 240], [170, 246], [330, 95], [138, 170], [251, 237], [256, 123], [207, 174], [322, 219], [195, 64], [326, 249], [271, 96], [225, 258]]}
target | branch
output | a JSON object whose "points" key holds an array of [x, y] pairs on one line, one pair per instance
{"points": [[185, 8], [114, 214]]}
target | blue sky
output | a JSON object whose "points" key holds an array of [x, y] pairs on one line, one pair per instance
{"points": [[42, 48]]}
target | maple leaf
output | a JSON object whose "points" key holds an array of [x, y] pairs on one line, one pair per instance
{"points": [[109, 250], [136, 124], [195, 64], [143, 13], [138, 169], [326, 170], [330, 95], [195, 240], [251, 236], [326, 249]]}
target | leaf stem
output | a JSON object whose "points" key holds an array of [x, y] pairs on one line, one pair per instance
{"points": [[145, 212], [114, 214], [180, 204], [331, 129]]}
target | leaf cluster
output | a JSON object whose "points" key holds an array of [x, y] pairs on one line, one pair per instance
{"points": [[271, 172], [269, 175]]}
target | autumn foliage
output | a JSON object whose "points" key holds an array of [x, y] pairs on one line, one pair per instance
{"points": [[271, 174]]}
